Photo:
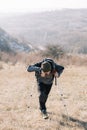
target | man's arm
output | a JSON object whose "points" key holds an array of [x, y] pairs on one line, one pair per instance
{"points": [[36, 67], [59, 69]]}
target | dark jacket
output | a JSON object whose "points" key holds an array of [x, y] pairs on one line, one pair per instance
{"points": [[47, 79]]}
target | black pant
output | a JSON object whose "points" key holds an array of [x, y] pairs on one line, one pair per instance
{"points": [[44, 90]]}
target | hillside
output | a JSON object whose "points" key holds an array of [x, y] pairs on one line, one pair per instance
{"points": [[10, 44], [65, 27], [19, 108]]}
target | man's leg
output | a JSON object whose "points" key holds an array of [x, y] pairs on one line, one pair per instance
{"points": [[42, 100], [44, 91]]}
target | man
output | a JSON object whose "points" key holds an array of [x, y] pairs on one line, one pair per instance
{"points": [[45, 72]]}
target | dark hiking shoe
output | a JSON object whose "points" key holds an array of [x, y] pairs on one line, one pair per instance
{"points": [[44, 114]]}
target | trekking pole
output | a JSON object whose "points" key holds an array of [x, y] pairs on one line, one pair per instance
{"points": [[55, 80], [31, 93], [62, 99]]}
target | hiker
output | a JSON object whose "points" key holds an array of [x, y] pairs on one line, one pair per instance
{"points": [[45, 72]]}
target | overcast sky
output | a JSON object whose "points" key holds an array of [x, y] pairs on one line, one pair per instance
{"points": [[39, 5]]}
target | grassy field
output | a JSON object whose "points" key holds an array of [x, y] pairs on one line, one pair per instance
{"points": [[19, 108]]}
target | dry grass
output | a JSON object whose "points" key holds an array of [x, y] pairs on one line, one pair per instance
{"points": [[33, 57], [19, 100]]}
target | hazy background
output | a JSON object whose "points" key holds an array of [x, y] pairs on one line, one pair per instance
{"points": [[33, 24], [10, 6]]}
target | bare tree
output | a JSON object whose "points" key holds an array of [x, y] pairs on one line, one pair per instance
{"points": [[54, 51]]}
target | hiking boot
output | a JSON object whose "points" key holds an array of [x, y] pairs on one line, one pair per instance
{"points": [[44, 114]]}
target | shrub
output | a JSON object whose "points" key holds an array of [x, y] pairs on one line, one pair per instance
{"points": [[54, 51]]}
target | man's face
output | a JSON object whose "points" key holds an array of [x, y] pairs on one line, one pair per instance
{"points": [[47, 73], [43, 74]]}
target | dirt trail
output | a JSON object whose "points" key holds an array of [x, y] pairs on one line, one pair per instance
{"points": [[19, 100]]}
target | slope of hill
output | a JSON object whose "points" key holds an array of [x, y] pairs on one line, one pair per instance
{"points": [[66, 27], [20, 111], [10, 44]]}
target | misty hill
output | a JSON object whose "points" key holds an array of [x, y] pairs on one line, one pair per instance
{"points": [[10, 44], [64, 27]]}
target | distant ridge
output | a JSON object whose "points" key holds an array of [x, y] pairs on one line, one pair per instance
{"points": [[67, 27], [10, 44]]}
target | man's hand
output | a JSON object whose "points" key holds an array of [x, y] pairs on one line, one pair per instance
{"points": [[56, 74]]}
